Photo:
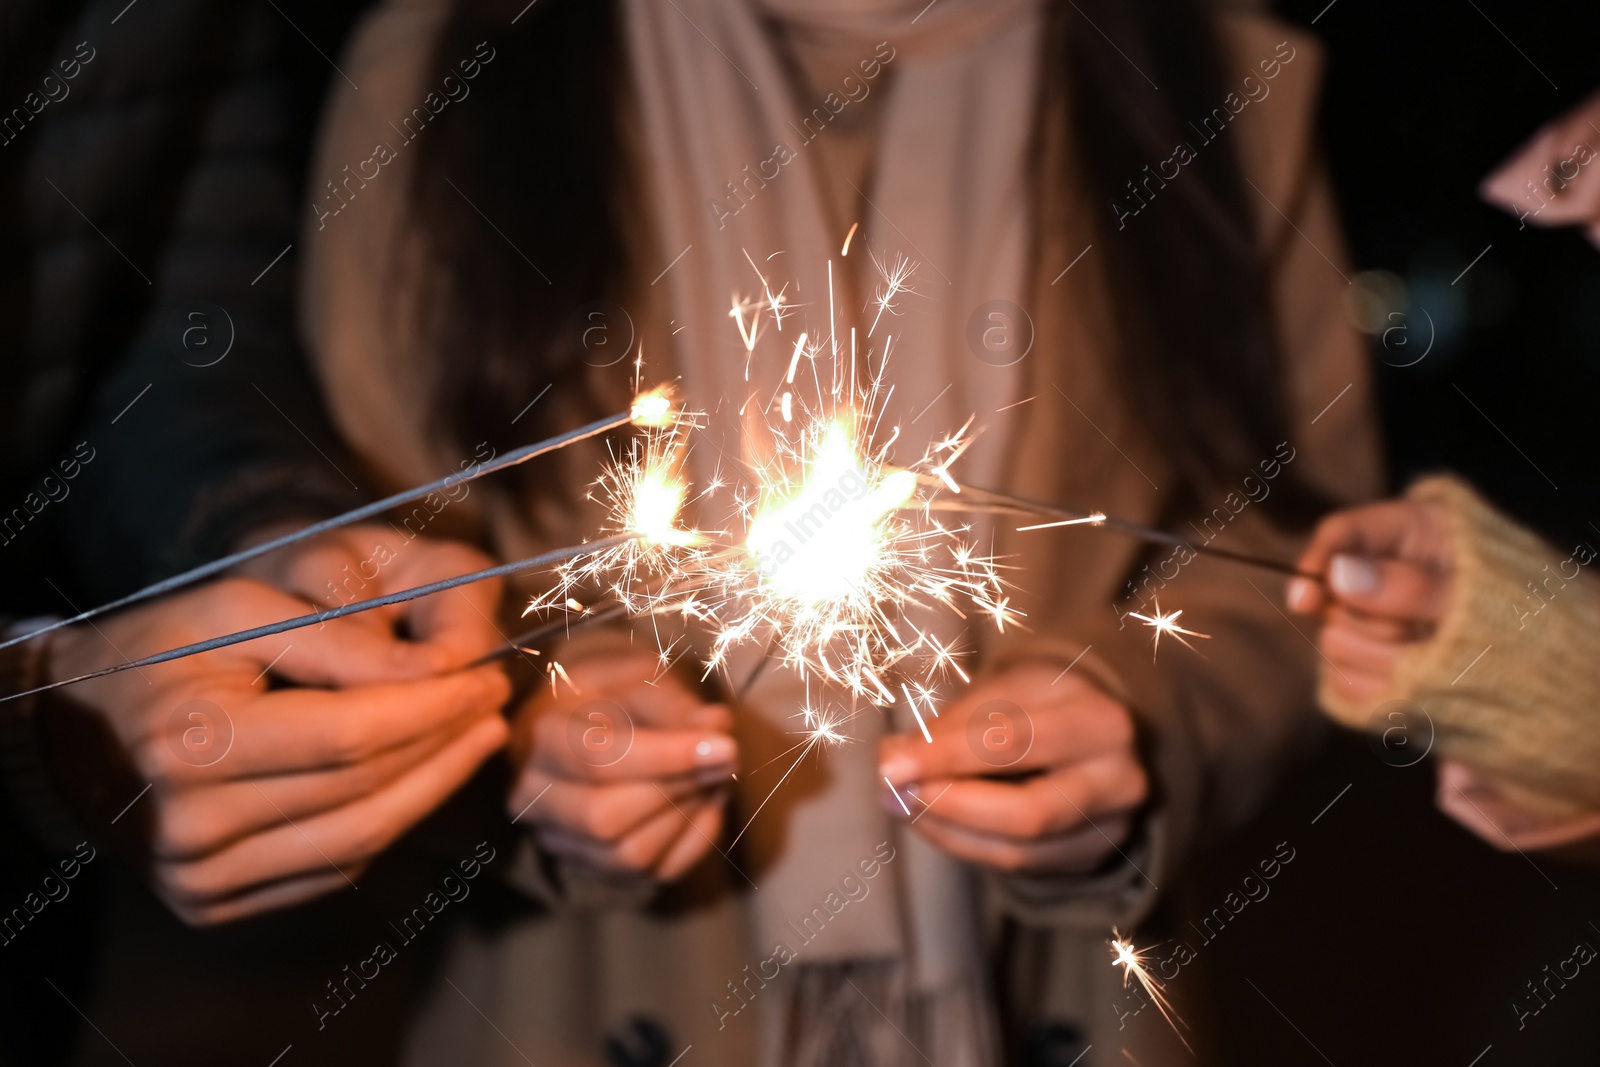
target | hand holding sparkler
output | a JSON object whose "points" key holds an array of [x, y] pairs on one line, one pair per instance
{"points": [[624, 767], [649, 410], [1066, 816], [242, 798], [1388, 568], [440, 632]]}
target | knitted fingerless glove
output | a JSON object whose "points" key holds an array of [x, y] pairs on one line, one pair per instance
{"points": [[1511, 676]]}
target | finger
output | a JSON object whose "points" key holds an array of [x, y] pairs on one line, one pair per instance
{"points": [[1546, 183], [650, 694], [451, 629], [1039, 807], [603, 813], [447, 630], [270, 898], [1390, 588], [1379, 529], [1376, 628], [1076, 852], [1304, 595], [335, 651], [297, 730], [1363, 668], [697, 839], [635, 853], [581, 749], [338, 839], [196, 821], [1065, 729]]}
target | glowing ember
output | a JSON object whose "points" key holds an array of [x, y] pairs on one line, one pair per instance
{"points": [[1131, 960], [1166, 624], [658, 495]]}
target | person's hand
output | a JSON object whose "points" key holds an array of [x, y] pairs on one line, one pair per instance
{"points": [[1387, 577], [1554, 179], [261, 796], [361, 562], [625, 771], [1066, 817]]}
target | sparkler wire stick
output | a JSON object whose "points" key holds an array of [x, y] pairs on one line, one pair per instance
{"points": [[354, 607], [1065, 517], [366, 511]]}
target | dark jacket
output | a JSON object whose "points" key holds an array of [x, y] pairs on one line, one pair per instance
{"points": [[150, 163]]}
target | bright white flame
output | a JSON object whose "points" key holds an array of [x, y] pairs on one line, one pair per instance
{"points": [[658, 496], [1166, 623], [652, 409], [823, 541]]}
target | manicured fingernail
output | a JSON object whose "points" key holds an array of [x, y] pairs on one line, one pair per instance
{"points": [[715, 749], [1353, 575], [1300, 593], [898, 769], [709, 776]]}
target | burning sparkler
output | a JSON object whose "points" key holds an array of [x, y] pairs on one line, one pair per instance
{"points": [[1132, 962], [839, 544], [649, 410], [318, 618]]}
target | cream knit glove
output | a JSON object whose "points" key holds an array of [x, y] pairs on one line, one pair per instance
{"points": [[1511, 676]]}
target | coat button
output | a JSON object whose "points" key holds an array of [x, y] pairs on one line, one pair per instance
{"points": [[638, 1041], [1052, 1044]]}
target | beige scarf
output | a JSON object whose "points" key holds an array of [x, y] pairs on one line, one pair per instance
{"points": [[719, 100]]}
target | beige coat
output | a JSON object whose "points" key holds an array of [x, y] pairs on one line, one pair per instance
{"points": [[1214, 726]]}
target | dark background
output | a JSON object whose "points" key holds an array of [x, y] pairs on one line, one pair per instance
{"points": [[1396, 937]]}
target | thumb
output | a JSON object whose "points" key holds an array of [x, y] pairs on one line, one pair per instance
{"points": [[1389, 588]]}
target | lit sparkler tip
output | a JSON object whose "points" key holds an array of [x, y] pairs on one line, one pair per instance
{"points": [[653, 408], [657, 497], [1167, 623], [1132, 962], [822, 727]]}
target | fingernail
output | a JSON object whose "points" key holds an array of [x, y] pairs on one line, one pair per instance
{"points": [[1299, 594], [715, 749], [709, 776], [1353, 575], [898, 769]]}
